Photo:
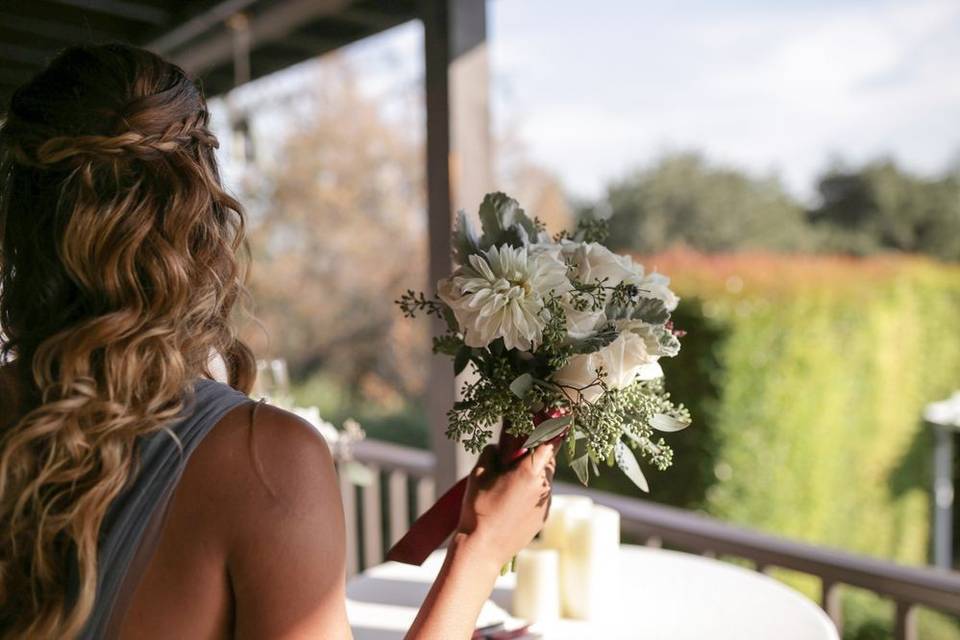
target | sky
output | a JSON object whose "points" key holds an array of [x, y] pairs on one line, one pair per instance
{"points": [[783, 87]]}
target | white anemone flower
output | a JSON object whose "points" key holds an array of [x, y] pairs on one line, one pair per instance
{"points": [[501, 294]]}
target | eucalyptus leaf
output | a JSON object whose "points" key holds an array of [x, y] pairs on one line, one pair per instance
{"points": [[581, 467], [630, 467], [663, 422], [547, 429], [521, 385]]}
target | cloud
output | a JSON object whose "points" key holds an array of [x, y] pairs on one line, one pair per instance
{"points": [[777, 87]]}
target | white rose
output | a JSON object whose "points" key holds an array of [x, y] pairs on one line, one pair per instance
{"points": [[593, 262], [582, 324], [624, 361]]}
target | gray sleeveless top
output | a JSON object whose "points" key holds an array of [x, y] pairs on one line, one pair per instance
{"points": [[132, 525]]}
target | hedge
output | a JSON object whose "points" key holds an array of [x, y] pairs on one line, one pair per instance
{"points": [[808, 377]]}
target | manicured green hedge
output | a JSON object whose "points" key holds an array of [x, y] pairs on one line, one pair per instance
{"points": [[808, 392]]}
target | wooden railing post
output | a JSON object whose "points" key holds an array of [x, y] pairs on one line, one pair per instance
{"points": [[399, 506], [832, 603], [372, 522], [348, 496], [426, 490], [905, 625]]}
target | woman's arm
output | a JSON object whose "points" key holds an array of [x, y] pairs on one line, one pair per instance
{"points": [[287, 551], [502, 511]]}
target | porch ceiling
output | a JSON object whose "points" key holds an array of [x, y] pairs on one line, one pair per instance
{"points": [[194, 33]]}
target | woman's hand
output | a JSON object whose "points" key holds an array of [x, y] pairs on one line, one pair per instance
{"points": [[504, 508]]}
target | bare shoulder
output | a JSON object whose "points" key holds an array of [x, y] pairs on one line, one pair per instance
{"points": [[271, 485], [254, 536], [261, 460]]}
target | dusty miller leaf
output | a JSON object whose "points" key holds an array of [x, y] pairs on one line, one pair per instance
{"points": [[597, 341], [649, 310], [503, 221], [669, 344], [465, 240]]}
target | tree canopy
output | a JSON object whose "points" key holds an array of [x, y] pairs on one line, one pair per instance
{"points": [[880, 207], [684, 200]]}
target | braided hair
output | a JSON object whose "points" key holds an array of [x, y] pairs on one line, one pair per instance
{"points": [[118, 273]]}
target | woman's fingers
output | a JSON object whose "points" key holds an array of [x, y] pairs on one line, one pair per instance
{"points": [[543, 456]]}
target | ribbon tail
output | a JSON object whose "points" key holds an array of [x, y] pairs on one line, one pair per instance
{"points": [[429, 531]]}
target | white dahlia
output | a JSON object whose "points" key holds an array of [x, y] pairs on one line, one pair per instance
{"points": [[501, 294]]}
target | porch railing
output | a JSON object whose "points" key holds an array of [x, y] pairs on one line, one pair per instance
{"points": [[378, 514]]}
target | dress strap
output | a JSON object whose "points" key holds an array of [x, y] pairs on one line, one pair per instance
{"points": [[130, 529]]}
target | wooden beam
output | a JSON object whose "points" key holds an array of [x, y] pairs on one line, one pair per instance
{"points": [[121, 9], [198, 26], [309, 45], [14, 77], [457, 141], [373, 19], [25, 55], [51, 29], [269, 25]]}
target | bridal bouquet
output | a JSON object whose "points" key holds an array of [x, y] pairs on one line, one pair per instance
{"points": [[564, 337]]}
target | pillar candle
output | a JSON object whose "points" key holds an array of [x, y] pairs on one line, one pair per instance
{"points": [[536, 597], [589, 565], [562, 509]]}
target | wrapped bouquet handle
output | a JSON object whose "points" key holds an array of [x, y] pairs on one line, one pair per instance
{"points": [[438, 522]]}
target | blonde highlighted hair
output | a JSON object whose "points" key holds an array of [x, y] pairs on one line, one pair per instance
{"points": [[118, 273]]}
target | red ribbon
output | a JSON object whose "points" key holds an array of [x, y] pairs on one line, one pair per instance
{"points": [[429, 531]]}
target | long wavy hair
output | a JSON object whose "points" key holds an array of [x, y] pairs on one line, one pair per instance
{"points": [[118, 273]]}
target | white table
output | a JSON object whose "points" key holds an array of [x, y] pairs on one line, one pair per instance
{"points": [[664, 595]]}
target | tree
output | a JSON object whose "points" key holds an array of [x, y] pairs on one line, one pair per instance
{"points": [[684, 200], [337, 237], [880, 207]]}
